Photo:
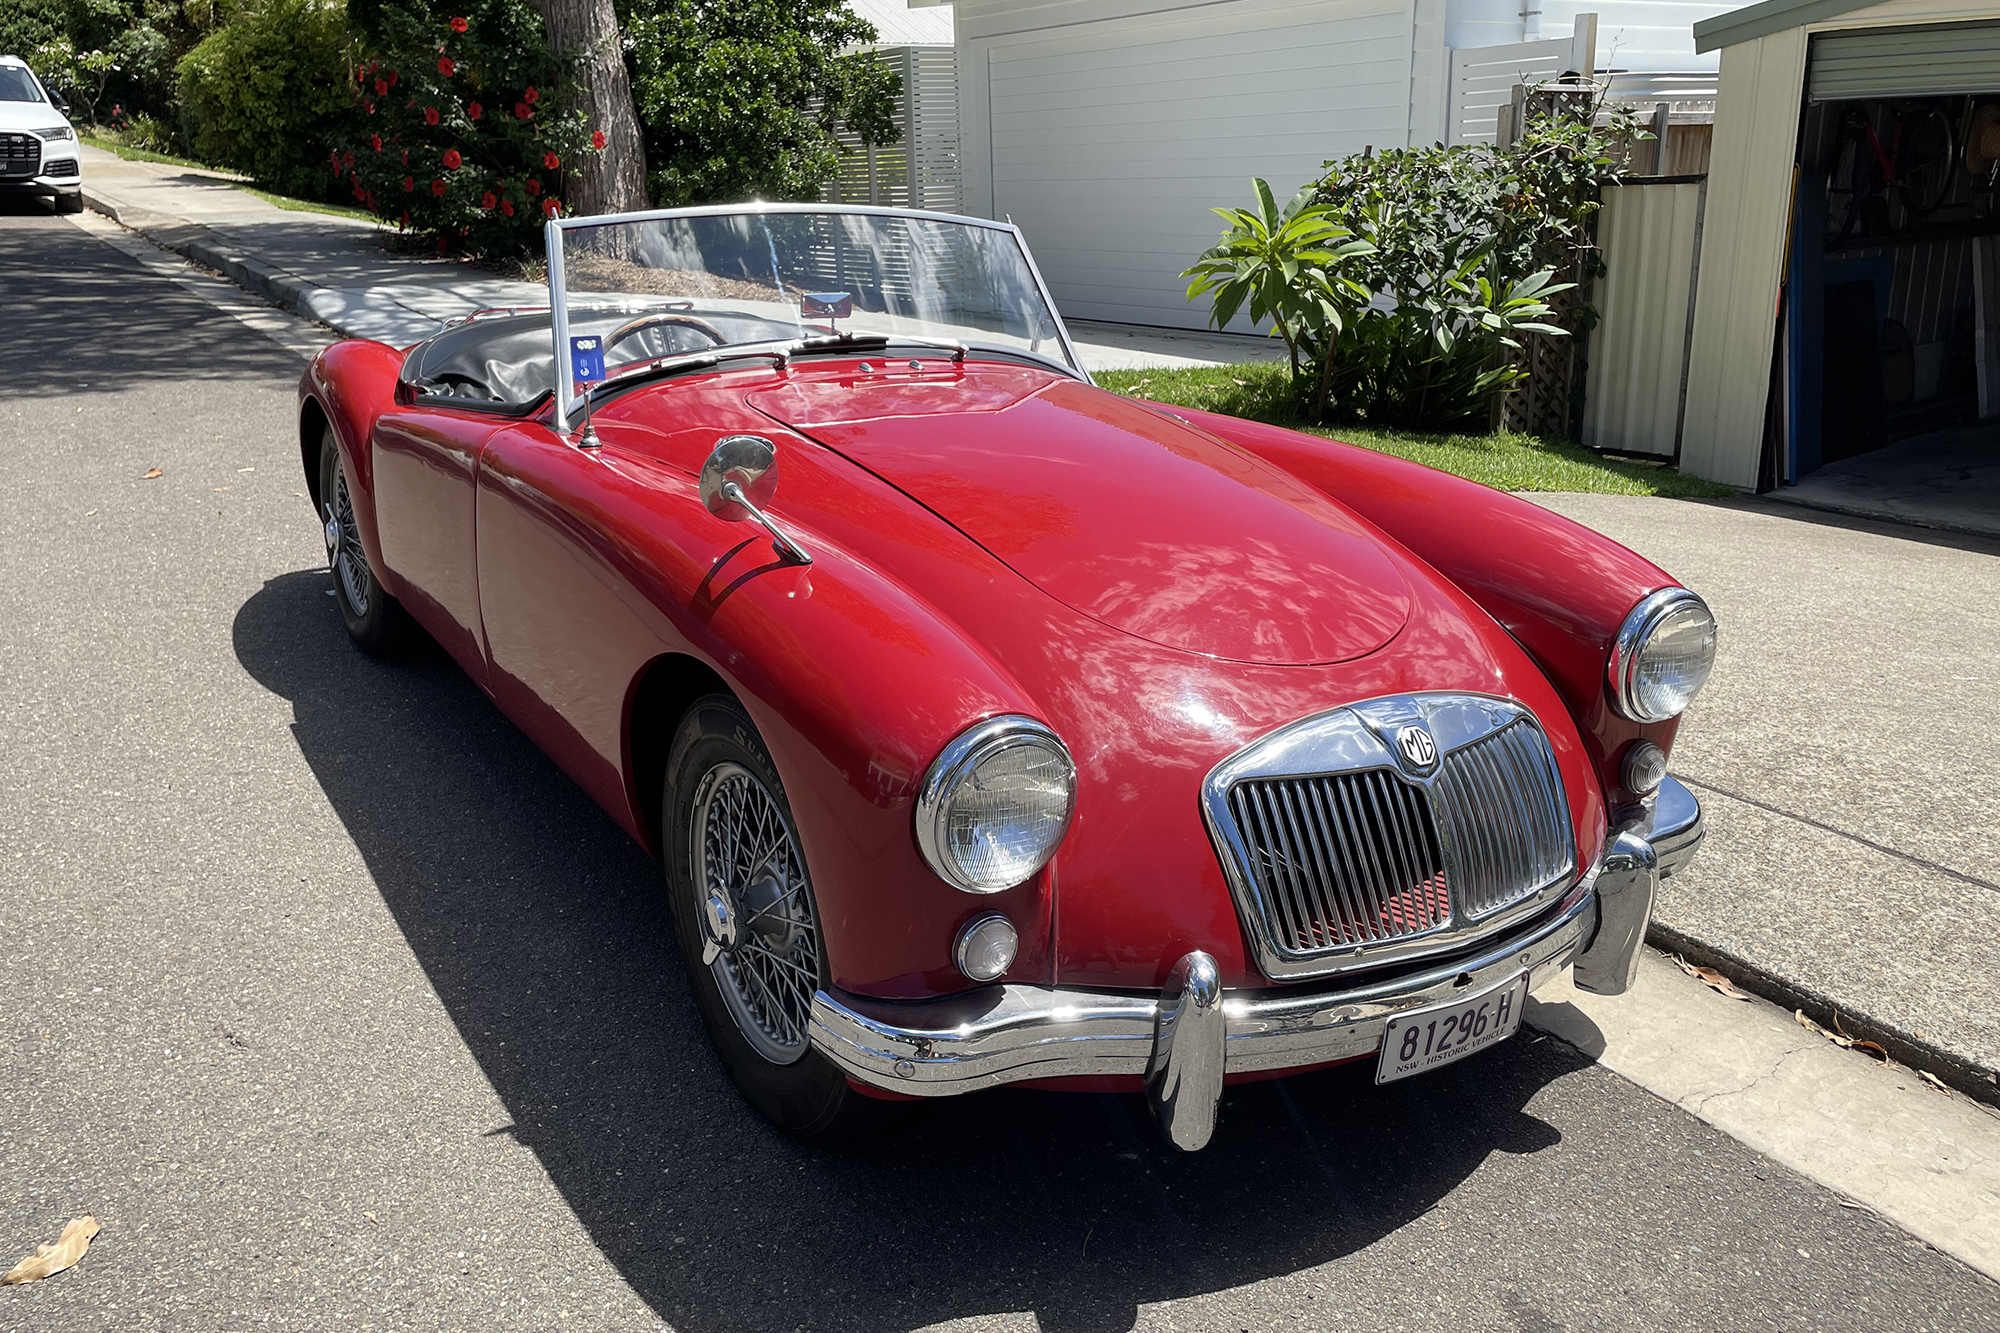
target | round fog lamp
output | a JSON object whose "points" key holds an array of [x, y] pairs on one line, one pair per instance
{"points": [[1644, 769], [986, 947]]}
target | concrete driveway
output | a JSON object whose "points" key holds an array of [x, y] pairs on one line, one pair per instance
{"points": [[1847, 749]]}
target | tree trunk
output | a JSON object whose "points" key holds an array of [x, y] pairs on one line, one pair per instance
{"points": [[613, 181]]}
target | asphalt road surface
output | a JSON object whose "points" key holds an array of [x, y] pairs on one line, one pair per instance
{"points": [[342, 1008]]}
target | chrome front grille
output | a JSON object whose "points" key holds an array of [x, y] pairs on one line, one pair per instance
{"points": [[1503, 802], [1346, 859], [1347, 848]]}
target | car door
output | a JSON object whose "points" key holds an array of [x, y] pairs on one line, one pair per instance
{"points": [[567, 538], [426, 460]]}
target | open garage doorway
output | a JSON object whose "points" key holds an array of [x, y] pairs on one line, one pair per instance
{"points": [[1887, 376]]}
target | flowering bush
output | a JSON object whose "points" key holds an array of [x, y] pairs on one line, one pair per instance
{"points": [[468, 122]]}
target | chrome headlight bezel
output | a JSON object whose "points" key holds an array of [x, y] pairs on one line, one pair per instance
{"points": [[1628, 650], [964, 756]]}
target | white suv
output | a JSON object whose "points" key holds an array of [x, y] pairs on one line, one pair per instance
{"points": [[38, 149]]}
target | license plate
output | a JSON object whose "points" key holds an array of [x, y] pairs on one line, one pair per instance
{"points": [[1426, 1038]]}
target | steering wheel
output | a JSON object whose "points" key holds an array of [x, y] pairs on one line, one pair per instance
{"points": [[645, 322]]}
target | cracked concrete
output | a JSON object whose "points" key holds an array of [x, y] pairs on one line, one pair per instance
{"points": [[1876, 1133]]}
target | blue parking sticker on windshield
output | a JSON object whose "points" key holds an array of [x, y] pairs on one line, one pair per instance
{"points": [[586, 359]]}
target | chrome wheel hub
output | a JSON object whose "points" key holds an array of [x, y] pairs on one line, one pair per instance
{"points": [[760, 938], [344, 555]]}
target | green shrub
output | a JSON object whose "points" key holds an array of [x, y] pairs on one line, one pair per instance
{"points": [[741, 99], [148, 133], [27, 24], [1468, 244], [267, 94], [466, 121], [1460, 249]]}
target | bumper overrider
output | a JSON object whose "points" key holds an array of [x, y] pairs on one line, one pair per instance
{"points": [[1185, 1039]]}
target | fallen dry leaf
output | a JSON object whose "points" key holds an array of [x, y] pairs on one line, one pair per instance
{"points": [[1244, 383], [1870, 1048], [151, 473], [1932, 1079], [48, 1260], [1716, 982]]}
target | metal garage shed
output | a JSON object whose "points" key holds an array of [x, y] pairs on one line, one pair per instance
{"points": [[1847, 314]]}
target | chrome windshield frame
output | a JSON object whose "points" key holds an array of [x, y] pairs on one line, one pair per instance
{"points": [[565, 389]]}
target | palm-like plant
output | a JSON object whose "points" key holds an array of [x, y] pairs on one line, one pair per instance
{"points": [[1281, 265]]}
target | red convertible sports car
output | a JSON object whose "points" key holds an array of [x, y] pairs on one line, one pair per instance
{"points": [[993, 728]]}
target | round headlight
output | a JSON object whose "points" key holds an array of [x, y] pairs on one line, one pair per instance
{"points": [[1662, 655], [996, 804]]}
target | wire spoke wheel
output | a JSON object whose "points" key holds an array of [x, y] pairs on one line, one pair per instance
{"points": [[344, 555], [750, 876]]}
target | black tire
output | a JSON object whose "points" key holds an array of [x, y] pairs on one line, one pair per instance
{"points": [[69, 201], [804, 1093], [376, 622]]}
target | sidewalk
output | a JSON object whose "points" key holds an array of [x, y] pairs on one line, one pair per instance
{"points": [[1845, 751], [1847, 755], [341, 272]]}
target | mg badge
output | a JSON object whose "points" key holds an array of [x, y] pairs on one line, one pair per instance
{"points": [[1417, 747]]}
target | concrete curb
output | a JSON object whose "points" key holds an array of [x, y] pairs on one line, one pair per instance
{"points": [[195, 242], [1906, 1048]]}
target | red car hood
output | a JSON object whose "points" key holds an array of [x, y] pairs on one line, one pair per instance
{"points": [[1129, 516]]}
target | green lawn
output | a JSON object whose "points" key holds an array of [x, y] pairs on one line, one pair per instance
{"points": [[235, 181], [1503, 460]]}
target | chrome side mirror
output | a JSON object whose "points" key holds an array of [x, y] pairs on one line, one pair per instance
{"points": [[738, 479]]}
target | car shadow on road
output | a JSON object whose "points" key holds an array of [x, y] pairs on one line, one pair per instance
{"points": [[541, 927]]}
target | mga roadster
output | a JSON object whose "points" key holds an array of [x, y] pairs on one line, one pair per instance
{"points": [[991, 727]]}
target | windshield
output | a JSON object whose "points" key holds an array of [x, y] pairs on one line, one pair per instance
{"points": [[665, 286], [17, 85]]}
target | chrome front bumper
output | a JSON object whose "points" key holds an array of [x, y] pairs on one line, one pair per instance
{"points": [[1184, 1040]]}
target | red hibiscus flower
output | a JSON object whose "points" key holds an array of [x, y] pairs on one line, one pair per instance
{"points": [[452, 159], [430, 115], [473, 110], [551, 161], [408, 184], [550, 207], [392, 78], [487, 200], [375, 142], [597, 139], [406, 157], [445, 66], [381, 87], [360, 76], [437, 187], [507, 207], [459, 25], [347, 158], [531, 97], [369, 107], [522, 111], [534, 188]]}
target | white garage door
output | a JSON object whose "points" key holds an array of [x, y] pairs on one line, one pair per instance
{"points": [[1111, 141]]}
